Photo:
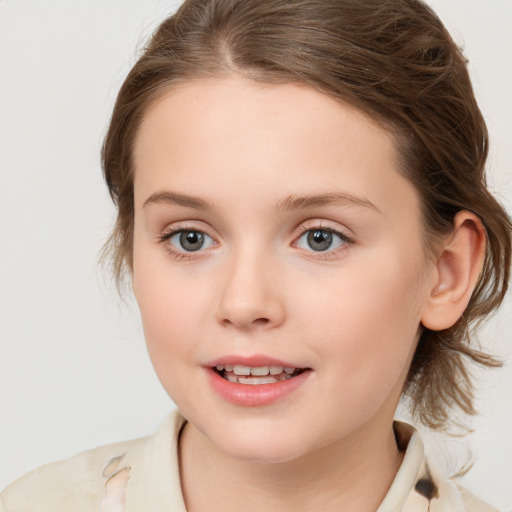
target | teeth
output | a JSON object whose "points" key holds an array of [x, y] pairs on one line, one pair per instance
{"points": [[241, 370], [254, 381], [260, 370], [243, 374], [276, 370], [231, 377]]}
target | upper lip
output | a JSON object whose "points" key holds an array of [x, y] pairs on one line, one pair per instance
{"points": [[252, 361]]}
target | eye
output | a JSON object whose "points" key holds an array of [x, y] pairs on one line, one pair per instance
{"points": [[321, 240], [189, 240]]}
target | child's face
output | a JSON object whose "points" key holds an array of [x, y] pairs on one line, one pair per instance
{"points": [[260, 180]]}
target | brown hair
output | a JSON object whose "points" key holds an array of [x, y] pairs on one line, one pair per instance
{"points": [[392, 59]]}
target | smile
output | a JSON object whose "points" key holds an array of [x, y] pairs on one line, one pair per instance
{"points": [[255, 381], [256, 375]]}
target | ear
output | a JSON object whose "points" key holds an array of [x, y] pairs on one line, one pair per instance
{"points": [[457, 268]]}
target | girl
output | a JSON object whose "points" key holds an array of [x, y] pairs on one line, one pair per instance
{"points": [[303, 217]]}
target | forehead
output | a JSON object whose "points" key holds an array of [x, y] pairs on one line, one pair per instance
{"points": [[207, 110], [241, 133]]}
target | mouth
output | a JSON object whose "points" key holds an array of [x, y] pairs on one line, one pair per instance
{"points": [[256, 375], [257, 380]]}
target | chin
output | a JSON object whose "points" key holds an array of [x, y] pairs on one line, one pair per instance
{"points": [[262, 455]]}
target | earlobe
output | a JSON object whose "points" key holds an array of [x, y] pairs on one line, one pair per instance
{"points": [[458, 267]]}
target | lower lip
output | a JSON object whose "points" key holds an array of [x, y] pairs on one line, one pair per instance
{"points": [[250, 395]]}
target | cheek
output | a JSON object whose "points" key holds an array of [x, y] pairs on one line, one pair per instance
{"points": [[168, 309], [165, 310], [167, 327], [371, 318], [168, 317], [167, 299]]}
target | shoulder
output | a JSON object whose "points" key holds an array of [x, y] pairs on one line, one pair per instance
{"points": [[77, 483], [473, 503], [427, 485], [447, 494], [104, 478], [433, 490]]}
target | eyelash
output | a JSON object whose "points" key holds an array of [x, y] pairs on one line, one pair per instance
{"points": [[330, 253], [164, 237]]}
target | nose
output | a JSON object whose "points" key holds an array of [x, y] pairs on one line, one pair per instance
{"points": [[250, 293]]}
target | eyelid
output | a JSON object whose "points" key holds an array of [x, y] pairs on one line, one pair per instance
{"points": [[169, 232], [324, 225], [321, 224], [187, 225], [311, 225]]}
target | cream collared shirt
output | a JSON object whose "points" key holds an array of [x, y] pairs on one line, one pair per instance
{"points": [[143, 476]]}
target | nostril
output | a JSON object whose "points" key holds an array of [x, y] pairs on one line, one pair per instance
{"points": [[261, 321], [258, 322]]}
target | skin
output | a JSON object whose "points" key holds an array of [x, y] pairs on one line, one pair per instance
{"points": [[352, 314]]}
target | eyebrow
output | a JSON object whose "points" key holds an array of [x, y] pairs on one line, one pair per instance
{"points": [[174, 198], [335, 198], [288, 204]]}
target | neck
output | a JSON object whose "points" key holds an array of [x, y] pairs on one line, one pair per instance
{"points": [[351, 474]]}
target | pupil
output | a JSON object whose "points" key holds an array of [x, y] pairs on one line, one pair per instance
{"points": [[191, 240], [319, 240]]}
